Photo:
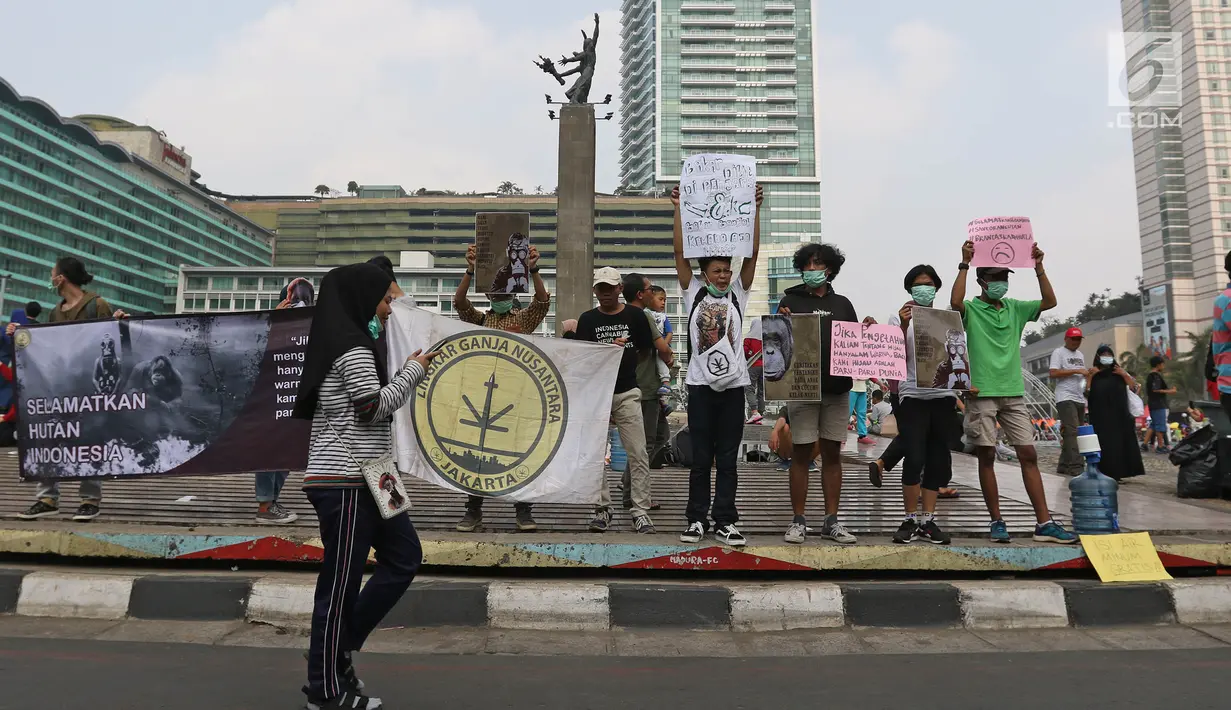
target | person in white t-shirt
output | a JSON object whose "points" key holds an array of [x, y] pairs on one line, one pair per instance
{"points": [[717, 375], [1068, 371]]}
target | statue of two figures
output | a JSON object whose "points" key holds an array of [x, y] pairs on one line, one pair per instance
{"points": [[585, 61]]}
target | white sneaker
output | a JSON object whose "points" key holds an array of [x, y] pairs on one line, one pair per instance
{"points": [[730, 535], [695, 532], [797, 533], [833, 530]]}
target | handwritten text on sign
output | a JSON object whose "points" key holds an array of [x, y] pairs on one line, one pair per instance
{"points": [[718, 205], [1128, 557], [1006, 242], [867, 351]]}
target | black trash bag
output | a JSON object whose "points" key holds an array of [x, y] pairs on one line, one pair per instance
{"points": [[757, 456], [1197, 457]]}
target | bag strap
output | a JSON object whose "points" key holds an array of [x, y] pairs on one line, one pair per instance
{"points": [[343, 443], [91, 309]]}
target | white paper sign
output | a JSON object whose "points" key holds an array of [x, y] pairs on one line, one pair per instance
{"points": [[718, 207]]}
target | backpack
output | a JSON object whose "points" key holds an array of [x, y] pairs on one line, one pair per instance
{"points": [[696, 303], [681, 448]]}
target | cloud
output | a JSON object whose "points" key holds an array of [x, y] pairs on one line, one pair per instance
{"points": [[377, 91]]}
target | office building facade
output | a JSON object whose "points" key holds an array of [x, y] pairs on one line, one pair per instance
{"points": [[66, 192]]}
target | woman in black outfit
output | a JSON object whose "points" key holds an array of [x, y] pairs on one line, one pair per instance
{"points": [[1111, 418]]}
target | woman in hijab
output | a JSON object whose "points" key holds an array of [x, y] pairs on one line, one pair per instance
{"points": [[347, 393], [1110, 416]]}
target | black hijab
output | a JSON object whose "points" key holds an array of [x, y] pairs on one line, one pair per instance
{"points": [[345, 304]]}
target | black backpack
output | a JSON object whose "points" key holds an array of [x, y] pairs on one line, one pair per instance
{"points": [[681, 448], [696, 303]]}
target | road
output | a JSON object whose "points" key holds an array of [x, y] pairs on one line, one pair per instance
{"points": [[36, 673]]}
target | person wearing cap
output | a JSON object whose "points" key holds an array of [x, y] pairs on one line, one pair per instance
{"points": [[1068, 370], [506, 314], [994, 326], [616, 323]]}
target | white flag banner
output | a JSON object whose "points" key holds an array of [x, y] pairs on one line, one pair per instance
{"points": [[503, 415]]}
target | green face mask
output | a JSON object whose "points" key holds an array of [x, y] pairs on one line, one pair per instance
{"points": [[815, 279], [374, 327], [715, 291], [502, 307], [997, 289], [923, 295]]}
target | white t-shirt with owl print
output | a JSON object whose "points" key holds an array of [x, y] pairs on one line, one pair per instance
{"points": [[716, 363]]}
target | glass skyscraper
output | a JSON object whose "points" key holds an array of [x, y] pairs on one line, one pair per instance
{"points": [[726, 76]]}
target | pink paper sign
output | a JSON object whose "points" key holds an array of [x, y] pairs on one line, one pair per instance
{"points": [[867, 351], [1006, 242]]}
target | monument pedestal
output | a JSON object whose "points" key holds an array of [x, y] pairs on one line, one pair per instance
{"points": [[575, 213]]}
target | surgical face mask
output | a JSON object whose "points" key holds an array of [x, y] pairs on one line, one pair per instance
{"points": [[1106, 361], [997, 289], [374, 327], [55, 288], [923, 295], [815, 279], [502, 307], [715, 291]]}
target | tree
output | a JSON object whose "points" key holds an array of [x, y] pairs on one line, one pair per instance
{"points": [[421, 191], [508, 187], [352, 187], [322, 190], [538, 189]]}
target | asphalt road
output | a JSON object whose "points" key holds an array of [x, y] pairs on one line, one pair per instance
{"points": [[37, 673]]}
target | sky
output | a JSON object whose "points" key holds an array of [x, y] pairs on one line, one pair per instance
{"points": [[932, 114]]}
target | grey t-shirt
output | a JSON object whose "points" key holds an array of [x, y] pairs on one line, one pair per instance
{"points": [[1073, 387]]}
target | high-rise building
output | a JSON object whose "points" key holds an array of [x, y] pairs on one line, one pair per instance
{"points": [[726, 76], [1181, 121], [122, 204]]}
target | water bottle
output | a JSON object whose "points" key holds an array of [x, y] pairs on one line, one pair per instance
{"points": [[1092, 494], [619, 457]]}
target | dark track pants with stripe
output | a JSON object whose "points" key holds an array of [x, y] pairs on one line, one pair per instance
{"points": [[343, 616]]}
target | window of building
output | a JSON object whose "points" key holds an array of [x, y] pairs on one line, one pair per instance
{"points": [[245, 304], [197, 283], [247, 283], [220, 304], [1209, 34], [224, 283]]}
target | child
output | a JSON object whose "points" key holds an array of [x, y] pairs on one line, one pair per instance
{"points": [[658, 308]]}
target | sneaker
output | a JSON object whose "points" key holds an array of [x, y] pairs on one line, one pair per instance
{"points": [[784, 465], [275, 514], [833, 530], [866, 441], [348, 700], [525, 521], [796, 534], [875, 474], [906, 532], [86, 512], [642, 524], [346, 671], [472, 521], [1052, 531], [1163, 450], [1000, 531], [929, 531], [694, 533], [755, 419], [730, 535], [40, 509], [601, 521], [813, 468], [1145, 448]]}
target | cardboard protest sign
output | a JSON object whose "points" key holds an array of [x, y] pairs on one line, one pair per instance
{"points": [[502, 246], [1127, 557], [867, 351], [1006, 242], [791, 357], [718, 209], [940, 350]]}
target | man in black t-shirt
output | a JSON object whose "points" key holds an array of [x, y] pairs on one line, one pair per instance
{"points": [[1156, 398], [626, 326]]}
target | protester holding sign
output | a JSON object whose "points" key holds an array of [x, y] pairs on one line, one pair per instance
{"points": [[826, 421], [925, 423], [994, 326], [348, 395], [717, 376]]}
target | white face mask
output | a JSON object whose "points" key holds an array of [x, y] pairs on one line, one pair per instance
{"points": [[1107, 361]]}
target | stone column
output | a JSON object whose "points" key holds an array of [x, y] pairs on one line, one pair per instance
{"points": [[575, 214]]}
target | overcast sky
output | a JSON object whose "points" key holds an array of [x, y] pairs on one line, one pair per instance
{"points": [[932, 113]]}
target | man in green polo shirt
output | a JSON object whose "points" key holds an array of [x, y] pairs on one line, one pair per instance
{"points": [[994, 326]]}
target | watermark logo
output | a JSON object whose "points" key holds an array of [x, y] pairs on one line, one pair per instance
{"points": [[1144, 78]]}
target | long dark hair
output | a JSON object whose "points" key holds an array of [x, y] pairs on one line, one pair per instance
{"points": [[71, 268]]}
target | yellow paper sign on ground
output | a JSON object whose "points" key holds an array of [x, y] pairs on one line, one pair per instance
{"points": [[1127, 557]]}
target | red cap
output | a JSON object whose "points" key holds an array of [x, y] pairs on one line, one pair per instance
{"points": [[1074, 333]]}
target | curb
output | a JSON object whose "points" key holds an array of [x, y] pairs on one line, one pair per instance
{"points": [[590, 606]]}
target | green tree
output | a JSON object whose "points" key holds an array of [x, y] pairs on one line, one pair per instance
{"points": [[352, 187], [322, 190], [508, 187]]}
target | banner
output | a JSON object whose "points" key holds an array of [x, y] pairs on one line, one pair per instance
{"points": [[1156, 320], [718, 207], [1006, 242], [503, 415], [791, 357], [502, 247], [867, 351], [940, 349], [161, 396]]}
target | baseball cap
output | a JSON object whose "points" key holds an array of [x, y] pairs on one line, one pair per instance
{"points": [[607, 275], [983, 272], [1073, 333]]}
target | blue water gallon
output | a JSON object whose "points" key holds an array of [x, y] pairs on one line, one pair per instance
{"points": [[1093, 495], [619, 457]]}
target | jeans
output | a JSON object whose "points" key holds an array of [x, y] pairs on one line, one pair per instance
{"points": [[626, 416], [269, 485], [925, 425], [716, 425], [859, 407], [756, 391], [90, 490], [1071, 461], [343, 616]]}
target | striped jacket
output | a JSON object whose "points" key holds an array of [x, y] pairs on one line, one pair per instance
{"points": [[1220, 343], [360, 410]]}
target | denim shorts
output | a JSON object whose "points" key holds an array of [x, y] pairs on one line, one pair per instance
{"points": [[1158, 420]]}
